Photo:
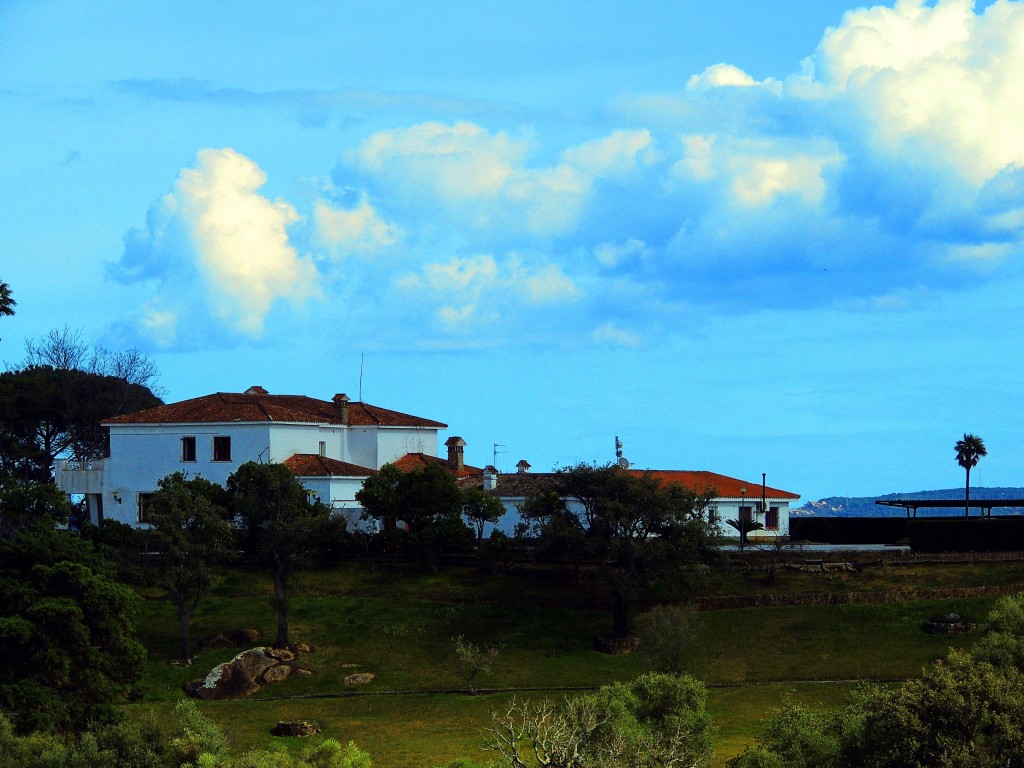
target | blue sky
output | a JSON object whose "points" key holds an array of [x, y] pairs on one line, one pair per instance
{"points": [[744, 237]]}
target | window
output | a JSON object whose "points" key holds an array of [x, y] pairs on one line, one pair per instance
{"points": [[771, 520], [746, 514], [222, 449], [323, 448], [145, 500], [188, 449]]}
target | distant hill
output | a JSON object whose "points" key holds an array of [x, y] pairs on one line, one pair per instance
{"points": [[864, 506]]}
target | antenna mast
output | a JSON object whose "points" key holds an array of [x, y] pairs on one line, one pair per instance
{"points": [[361, 356], [621, 460], [496, 446]]}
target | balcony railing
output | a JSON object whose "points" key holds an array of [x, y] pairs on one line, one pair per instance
{"points": [[79, 476]]}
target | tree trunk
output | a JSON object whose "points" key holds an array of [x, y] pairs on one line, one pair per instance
{"points": [[967, 494], [620, 617], [281, 603], [186, 643]]}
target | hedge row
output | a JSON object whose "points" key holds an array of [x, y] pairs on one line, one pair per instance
{"points": [[933, 534]]}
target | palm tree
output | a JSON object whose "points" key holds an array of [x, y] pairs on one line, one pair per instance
{"points": [[7, 301], [968, 452]]}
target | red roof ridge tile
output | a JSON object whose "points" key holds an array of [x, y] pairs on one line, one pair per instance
{"points": [[250, 407], [315, 465]]}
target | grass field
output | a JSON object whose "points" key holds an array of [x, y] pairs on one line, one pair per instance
{"points": [[398, 624]]}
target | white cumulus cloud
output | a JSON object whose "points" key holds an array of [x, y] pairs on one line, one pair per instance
{"points": [[727, 76], [214, 234], [477, 288], [611, 335], [483, 182], [938, 81], [358, 230]]}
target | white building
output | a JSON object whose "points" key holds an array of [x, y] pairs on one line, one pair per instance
{"points": [[331, 446], [735, 499]]}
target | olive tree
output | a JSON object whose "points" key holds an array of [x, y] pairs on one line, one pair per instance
{"points": [[191, 532], [279, 526]]}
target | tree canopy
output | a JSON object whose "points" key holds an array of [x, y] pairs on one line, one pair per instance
{"points": [[969, 451], [966, 711], [189, 528], [67, 631], [7, 302], [637, 529], [655, 721], [279, 525], [46, 413], [427, 500]]}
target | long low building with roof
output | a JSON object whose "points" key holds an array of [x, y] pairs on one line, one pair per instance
{"points": [[734, 499], [332, 447]]}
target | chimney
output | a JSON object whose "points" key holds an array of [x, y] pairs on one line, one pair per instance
{"points": [[523, 466], [341, 407], [256, 389], [455, 445], [490, 478]]}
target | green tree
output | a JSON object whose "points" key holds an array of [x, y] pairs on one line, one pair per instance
{"points": [[744, 525], [188, 739], [473, 660], [480, 508], [656, 720], [428, 494], [963, 713], [380, 498], [279, 526], [560, 535], [794, 737], [7, 302], [427, 500], [969, 452], [666, 635], [190, 530], [639, 530], [46, 413], [67, 632], [23, 503]]}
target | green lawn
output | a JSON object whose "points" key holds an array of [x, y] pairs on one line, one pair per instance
{"points": [[399, 623]]}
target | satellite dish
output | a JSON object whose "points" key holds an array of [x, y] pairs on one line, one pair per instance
{"points": [[623, 462]]}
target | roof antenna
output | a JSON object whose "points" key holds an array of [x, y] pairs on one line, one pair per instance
{"points": [[496, 446], [621, 460], [361, 356]]}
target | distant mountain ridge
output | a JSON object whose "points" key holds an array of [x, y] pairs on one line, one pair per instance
{"points": [[864, 506]]}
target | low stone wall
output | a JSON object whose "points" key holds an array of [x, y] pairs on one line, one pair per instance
{"points": [[720, 602]]}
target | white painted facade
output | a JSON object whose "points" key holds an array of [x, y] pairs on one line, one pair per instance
{"points": [[773, 513], [141, 454], [724, 509]]}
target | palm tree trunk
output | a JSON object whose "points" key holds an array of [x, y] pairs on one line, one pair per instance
{"points": [[967, 494]]}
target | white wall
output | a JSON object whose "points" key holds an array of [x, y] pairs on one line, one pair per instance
{"points": [[729, 509], [360, 446], [725, 509], [395, 442], [140, 455]]}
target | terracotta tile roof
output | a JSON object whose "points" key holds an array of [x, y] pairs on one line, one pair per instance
{"points": [[412, 462], [314, 465], [724, 487], [517, 485], [521, 485], [258, 406]]}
